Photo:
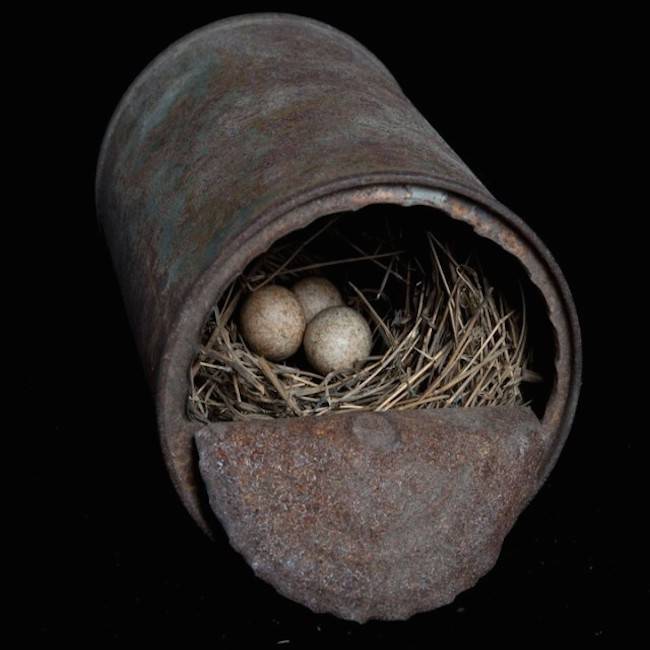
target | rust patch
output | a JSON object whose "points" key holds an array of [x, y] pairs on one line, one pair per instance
{"points": [[364, 530]]}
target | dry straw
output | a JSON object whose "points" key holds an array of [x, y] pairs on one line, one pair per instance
{"points": [[442, 336]]}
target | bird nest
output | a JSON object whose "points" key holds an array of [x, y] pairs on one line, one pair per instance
{"points": [[442, 334]]}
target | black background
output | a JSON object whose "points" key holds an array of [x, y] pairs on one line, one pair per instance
{"points": [[523, 107]]}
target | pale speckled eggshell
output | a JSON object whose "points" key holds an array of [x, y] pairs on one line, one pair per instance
{"points": [[315, 294], [272, 322], [336, 339]]}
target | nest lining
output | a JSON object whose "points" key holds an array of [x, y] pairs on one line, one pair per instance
{"points": [[442, 335]]}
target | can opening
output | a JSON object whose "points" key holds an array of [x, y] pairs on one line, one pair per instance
{"points": [[455, 322]]}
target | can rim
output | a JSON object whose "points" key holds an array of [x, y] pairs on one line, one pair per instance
{"points": [[484, 214]]}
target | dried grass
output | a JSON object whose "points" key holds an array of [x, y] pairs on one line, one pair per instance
{"points": [[442, 336]]}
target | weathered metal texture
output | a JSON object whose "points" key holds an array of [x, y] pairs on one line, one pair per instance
{"points": [[371, 515], [244, 131]]}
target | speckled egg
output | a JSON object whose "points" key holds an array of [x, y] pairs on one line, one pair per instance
{"points": [[272, 322], [315, 294], [336, 339]]}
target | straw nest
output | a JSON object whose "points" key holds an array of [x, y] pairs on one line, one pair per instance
{"points": [[442, 335]]}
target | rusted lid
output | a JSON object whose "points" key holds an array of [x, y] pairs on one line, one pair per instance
{"points": [[372, 515]]}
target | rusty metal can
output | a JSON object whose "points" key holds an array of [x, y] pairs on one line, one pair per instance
{"points": [[236, 135]]}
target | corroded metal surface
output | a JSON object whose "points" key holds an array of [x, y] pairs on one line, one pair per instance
{"points": [[372, 515], [235, 118], [246, 130]]}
